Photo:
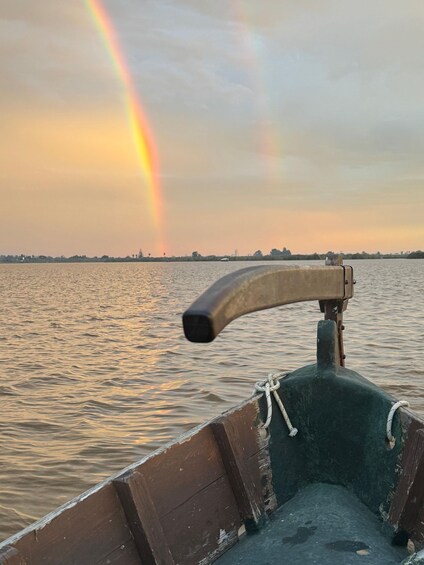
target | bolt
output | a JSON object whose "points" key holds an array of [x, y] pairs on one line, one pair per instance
{"points": [[343, 356], [342, 328]]}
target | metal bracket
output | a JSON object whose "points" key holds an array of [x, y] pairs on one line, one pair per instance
{"points": [[333, 309]]}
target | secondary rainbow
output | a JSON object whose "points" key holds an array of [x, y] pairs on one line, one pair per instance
{"points": [[268, 138], [142, 135]]}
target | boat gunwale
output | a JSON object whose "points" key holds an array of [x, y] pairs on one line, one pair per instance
{"points": [[45, 520]]}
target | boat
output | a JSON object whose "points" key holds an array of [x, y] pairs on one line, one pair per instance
{"points": [[319, 465]]}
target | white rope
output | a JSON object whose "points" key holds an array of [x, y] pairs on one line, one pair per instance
{"points": [[390, 438], [272, 384]]}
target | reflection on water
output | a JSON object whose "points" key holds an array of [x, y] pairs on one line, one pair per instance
{"points": [[95, 371]]}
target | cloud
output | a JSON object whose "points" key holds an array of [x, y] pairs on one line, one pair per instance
{"points": [[265, 113]]}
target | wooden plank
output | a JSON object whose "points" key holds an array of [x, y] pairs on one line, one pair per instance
{"points": [[143, 519], [180, 502], [252, 444], [11, 556], [237, 436], [126, 554], [246, 421], [410, 490], [205, 526], [182, 470], [258, 288], [263, 461], [416, 532], [85, 532]]}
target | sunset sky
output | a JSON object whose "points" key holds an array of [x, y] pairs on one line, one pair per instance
{"points": [[296, 123]]}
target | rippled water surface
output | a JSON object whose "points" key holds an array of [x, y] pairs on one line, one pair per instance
{"points": [[95, 371]]}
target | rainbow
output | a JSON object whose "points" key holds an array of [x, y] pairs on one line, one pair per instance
{"points": [[267, 135], [141, 133]]}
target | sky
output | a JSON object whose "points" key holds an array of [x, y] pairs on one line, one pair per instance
{"points": [[290, 123]]}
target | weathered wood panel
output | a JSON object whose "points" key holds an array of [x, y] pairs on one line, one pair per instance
{"points": [[126, 554], [416, 532], [180, 503], [85, 533], [238, 438], [403, 510], [407, 508], [261, 460], [11, 556], [203, 527], [142, 518], [251, 444], [183, 469]]}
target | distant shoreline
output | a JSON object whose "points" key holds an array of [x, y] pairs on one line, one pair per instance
{"points": [[19, 259]]}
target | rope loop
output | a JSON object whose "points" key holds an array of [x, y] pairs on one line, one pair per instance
{"points": [[272, 384], [390, 438]]}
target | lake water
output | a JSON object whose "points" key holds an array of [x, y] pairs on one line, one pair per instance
{"points": [[95, 371]]}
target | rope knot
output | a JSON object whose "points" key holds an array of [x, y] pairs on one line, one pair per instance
{"points": [[272, 384]]}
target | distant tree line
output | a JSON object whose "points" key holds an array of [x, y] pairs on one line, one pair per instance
{"points": [[274, 255], [286, 255], [416, 255]]}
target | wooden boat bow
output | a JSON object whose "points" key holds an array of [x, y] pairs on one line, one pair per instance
{"points": [[343, 483]]}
